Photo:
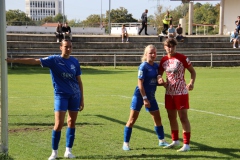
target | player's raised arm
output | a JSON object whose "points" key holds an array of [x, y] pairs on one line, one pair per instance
{"points": [[31, 61]]}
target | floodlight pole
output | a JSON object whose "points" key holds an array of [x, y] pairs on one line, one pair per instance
{"points": [[4, 84], [109, 18], [101, 16], [63, 12]]}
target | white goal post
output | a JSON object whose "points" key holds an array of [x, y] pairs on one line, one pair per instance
{"points": [[3, 79]]}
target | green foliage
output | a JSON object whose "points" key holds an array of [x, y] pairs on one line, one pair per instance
{"points": [[120, 15], [48, 19], [92, 20], [17, 18], [213, 114], [59, 18], [203, 14], [54, 19], [74, 23]]}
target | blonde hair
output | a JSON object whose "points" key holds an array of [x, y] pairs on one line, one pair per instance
{"points": [[150, 46]]}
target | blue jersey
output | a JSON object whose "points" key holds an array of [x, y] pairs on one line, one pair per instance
{"points": [[63, 72], [149, 74]]}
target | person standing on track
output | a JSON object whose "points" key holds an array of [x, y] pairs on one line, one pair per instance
{"points": [[144, 22]]}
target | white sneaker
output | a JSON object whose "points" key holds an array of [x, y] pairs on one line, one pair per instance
{"points": [[185, 148], [163, 143], [172, 145], [68, 155], [53, 155]]}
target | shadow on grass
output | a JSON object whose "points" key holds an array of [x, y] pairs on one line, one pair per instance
{"points": [[27, 69], [49, 124], [108, 70], [200, 147], [5, 157], [37, 69], [150, 156]]}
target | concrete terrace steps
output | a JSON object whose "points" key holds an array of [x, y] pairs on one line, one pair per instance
{"points": [[114, 45], [102, 51], [97, 50], [108, 38]]}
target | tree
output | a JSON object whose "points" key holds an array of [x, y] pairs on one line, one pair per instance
{"points": [[120, 15], [59, 18], [92, 20], [74, 23], [18, 18], [48, 19]]}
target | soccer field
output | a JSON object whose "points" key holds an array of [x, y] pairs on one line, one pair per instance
{"points": [[214, 116]]}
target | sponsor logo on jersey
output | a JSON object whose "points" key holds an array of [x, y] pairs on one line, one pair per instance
{"points": [[60, 63], [188, 61], [67, 75], [45, 58]]}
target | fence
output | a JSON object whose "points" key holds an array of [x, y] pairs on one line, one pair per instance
{"points": [[211, 59]]}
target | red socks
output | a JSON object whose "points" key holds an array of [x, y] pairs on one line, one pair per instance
{"points": [[186, 136]]}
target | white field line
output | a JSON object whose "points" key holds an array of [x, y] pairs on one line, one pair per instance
{"points": [[216, 114]]}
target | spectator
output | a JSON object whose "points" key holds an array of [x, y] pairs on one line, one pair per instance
{"points": [[171, 32], [59, 33], [166, 21], [237, 22], [124, 33], [144, 22], [67, 31], [179, 31], [234, 39], [170, 22]]}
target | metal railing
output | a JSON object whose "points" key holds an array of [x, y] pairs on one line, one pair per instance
{"points": [[117, 57]]}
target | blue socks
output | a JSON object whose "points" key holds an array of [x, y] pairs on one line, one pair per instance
{"points": [[55, 139], [70, 135], [160, 132], [127, 134]]}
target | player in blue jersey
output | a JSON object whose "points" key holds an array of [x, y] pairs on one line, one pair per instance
{"points": [[68, 93], [144, 94]]}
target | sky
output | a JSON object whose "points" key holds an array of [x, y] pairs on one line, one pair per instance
{"points": [[81, 9]]}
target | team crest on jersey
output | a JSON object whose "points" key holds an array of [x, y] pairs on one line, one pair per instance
{"points": [[72, 66], [140, 73]]}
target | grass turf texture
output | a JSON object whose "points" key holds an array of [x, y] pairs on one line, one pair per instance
{"points": [[214, 116]]}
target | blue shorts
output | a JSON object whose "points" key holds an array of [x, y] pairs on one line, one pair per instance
{"points": [[64, 102], [137, 103]]}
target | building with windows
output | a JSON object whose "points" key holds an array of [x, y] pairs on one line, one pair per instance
{"points": [[39, 9]]}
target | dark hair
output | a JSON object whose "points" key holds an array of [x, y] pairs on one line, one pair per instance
{"points": [[170, 42], [64, 40]]}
